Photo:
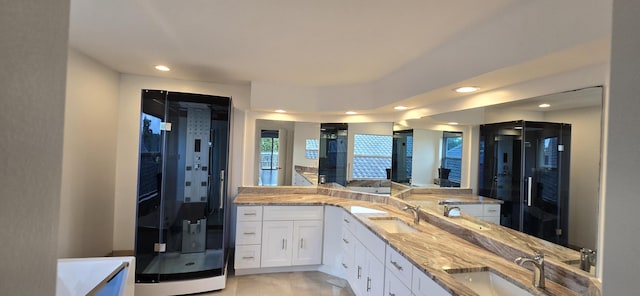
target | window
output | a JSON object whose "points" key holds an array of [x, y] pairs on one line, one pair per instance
{"points": [[371, 156], [452, 154], [311, 148]]}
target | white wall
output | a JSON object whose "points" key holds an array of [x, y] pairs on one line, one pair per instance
{"points": [[302, 132], [585, 173], [127, 143], [620, 222], [427, 152], [33, 56], [89, 158]]}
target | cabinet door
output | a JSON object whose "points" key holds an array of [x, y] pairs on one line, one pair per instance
{"points": [[359, 276], [276, 243], [307, 242], [375, 276]]}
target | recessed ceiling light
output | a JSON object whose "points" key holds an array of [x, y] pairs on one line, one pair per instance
{"points": [[162, 68], [466, 89], [401, 107], [351, 112], [453, 123], [280, 111], [544, 105]]}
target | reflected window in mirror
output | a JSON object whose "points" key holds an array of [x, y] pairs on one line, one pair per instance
{"points": [[372, 156], [450, 171], [269, 145], [311, 148]]}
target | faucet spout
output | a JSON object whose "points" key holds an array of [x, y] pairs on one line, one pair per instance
{"points": [[538, 267], [416, 213]]}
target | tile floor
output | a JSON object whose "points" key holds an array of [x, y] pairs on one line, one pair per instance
{"points": [[284, 284]]}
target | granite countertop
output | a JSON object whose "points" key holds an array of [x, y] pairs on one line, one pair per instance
{"points": [[453, 199], [434, 250]]}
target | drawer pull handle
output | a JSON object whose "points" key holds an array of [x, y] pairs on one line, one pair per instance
{"points": [[345, 240], [301, 243], [359, 270], [392, 294], [368, 284], [345, 266], [248, 257], [249, 233], [250, 214], [396, 265], [346, 221], [284, 244], [492, 211]]}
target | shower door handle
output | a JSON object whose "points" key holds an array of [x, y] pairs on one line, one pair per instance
{"points": [[529, 180], [221, 189]]}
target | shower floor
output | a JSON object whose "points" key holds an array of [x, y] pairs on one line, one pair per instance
{"points": [[168, 263]]}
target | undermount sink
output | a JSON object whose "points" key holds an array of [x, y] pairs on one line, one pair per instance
{"points": [[363, 210], [473, 224], [392, 225], [489, 283]]}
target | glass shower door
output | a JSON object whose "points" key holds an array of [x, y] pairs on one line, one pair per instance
{"points": [[545, 184]]}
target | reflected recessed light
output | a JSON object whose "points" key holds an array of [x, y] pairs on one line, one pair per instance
{"points": [[162, 68], [453, 123], [401, 107], [518, 127], [280, 111], [351, 112], [466, 89], [544, 105]]}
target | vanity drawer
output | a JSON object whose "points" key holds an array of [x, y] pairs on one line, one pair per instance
{"points": [[398, 265], [348, 221], [282, 213], [249, 213], [247, 256], [249, 233], [491, 210], [348, 241], [422, 285], [471, 209], [394, 286]]}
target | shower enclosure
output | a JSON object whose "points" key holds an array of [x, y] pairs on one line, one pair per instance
{"points": [[183, 160], [526, 164], [332, 159]]}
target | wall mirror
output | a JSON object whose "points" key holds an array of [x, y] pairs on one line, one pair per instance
{"points": [[356, 156], [426, 158], [286, 153], [582, 109]]}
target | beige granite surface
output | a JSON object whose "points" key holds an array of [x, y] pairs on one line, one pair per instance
{"points": [[441, 247]]}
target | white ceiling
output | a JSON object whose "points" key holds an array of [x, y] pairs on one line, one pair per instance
{"points": [[309, 43], [368, 54]]}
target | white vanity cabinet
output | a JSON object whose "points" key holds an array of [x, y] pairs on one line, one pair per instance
{"points": [[489, 212], [422, 285], [278, 236], [291, 235]]}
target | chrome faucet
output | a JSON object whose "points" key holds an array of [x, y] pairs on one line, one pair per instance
{"points": [[538, 267], [587, 258], [447, 210], [416, 213]]}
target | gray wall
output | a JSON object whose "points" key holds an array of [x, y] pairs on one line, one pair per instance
{"points": [[89, 159], [33, 55], [620, 243]]}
